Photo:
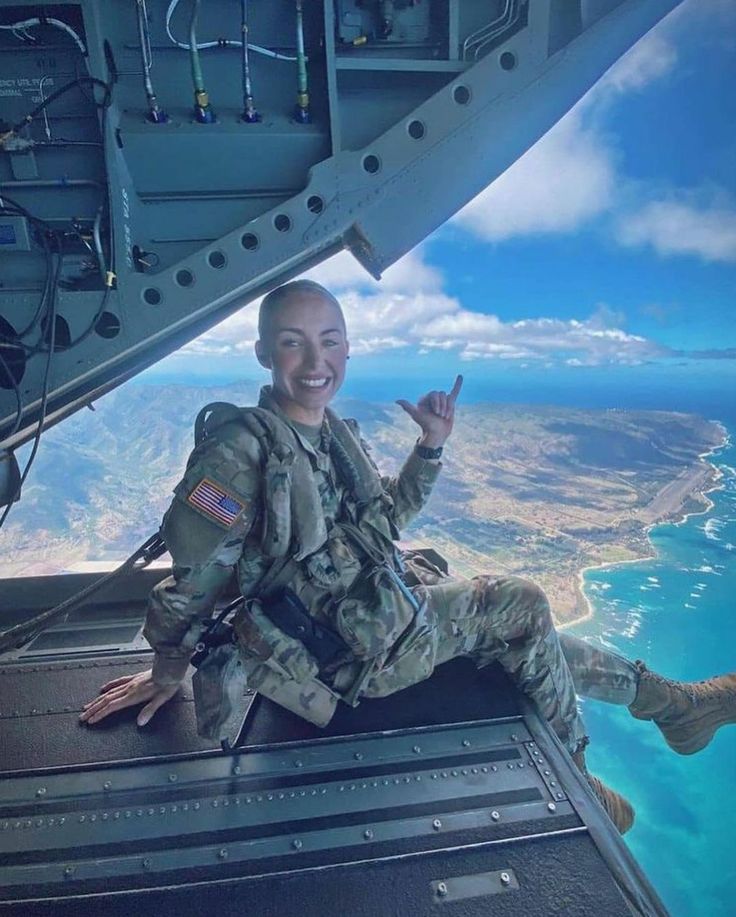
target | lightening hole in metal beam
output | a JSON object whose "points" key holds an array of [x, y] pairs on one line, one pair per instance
{"points": [[184, 278], [282, 222], [416, 130], [108, 325], [250, 241], [461, 94], [371, 163], [62, 334], [217, 259], [315, 204], [153, 296]]}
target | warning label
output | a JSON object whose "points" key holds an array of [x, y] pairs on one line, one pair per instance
{"points": [[22, 85]]}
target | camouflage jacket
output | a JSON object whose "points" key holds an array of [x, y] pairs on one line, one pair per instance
{"points": [[239, 511]]}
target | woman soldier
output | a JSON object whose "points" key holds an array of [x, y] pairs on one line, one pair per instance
{"points": [[288, 497]]}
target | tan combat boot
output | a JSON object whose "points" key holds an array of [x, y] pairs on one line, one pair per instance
{"points": [[618, 809], [686, 712]]}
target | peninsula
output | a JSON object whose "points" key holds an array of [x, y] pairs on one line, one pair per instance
{"points": [[541, 492]]}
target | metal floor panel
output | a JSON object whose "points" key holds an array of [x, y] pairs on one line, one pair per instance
{"points": [[316, 803], [558, 874], [449, 798], [456, 692], [39, 717]]}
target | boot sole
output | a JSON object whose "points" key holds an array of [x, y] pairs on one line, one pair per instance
{"points": [[685, 743], [618, 809]]}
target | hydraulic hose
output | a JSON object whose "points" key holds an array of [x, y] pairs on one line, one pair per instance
{"points": [[301, 112], [203, 111], [155, 114], [250, 115], [220, 43]]}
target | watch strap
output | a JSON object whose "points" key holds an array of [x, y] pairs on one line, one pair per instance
{"points": [[426, 453]]}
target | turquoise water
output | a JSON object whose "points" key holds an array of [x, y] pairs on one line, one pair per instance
{"points": [[677, 613]]}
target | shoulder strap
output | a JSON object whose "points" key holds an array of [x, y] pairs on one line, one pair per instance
{"points": [[211, 417], [273, 434], [258, 421]]}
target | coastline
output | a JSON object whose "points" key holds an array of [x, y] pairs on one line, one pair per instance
{"points": [[719, 475]]}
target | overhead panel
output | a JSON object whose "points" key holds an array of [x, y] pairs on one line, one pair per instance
{"points": [[149, 191]]}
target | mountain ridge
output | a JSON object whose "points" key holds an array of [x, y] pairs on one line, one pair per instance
{"points": [[539, 491]]}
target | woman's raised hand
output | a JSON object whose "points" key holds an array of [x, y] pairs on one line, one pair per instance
{"points": [[435, 414], [128, 691]]}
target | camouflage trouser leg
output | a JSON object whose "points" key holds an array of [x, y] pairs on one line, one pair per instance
{"points": [[491, 619], [598, 673]]}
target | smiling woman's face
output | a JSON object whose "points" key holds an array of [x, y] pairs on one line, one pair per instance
{"points": [[305, 350]]}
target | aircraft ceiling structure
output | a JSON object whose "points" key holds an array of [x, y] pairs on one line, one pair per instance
{"points": [[156, 173]]}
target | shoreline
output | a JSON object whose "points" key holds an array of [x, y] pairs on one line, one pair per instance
{"points": [[590, 610]]}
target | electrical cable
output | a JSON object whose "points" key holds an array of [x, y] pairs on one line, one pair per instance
{"points": [[100, 255], [6, 371], [45, 394], [44, 293], [97, 316], [80, 81], [57, 23], [21, 211], [51, 283], [197, 77], [17, 210], [221, 42], [150, 550], [108, 277]]}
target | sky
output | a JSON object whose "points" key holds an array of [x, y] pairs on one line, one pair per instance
{"points": [[608, 247]]}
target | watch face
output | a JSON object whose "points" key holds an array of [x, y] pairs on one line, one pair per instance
{"points": [[426, 453]]}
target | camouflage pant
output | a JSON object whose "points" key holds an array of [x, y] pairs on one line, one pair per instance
{"points": [[507, 620]]}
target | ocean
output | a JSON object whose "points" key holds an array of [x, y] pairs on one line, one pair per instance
{"points": [[677, 614]]}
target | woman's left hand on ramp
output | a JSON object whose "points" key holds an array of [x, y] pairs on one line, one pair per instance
{"points": [[128, 691]]}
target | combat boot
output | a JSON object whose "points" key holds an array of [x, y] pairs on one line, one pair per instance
{"points": [[686, 712], [617, 808]]}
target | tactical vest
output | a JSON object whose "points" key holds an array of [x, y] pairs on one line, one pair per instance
{"points": [[348, 577]]}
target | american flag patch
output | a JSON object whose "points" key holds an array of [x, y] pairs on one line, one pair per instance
{"points": [[212, 500]]}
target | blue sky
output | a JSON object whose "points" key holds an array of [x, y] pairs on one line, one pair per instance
{"points": [[611, 245]]}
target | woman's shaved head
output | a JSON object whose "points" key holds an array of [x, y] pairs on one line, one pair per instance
{"points": [[302, 290]]}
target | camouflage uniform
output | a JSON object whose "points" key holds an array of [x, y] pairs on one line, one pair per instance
{"points": [[261, 516]]}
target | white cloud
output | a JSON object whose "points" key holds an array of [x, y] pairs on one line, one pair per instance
{"points": [[398, 316], [428, 321], [344, 272], [589, 342], [380, 316], [679, 227], [434, 322], [569, 177], [566, 179], [651, 58]]}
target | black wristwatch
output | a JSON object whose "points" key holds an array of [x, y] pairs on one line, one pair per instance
{"points": [[426, 453]]}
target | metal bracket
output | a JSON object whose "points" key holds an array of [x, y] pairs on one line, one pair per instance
{"points": [[474, 886]]}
